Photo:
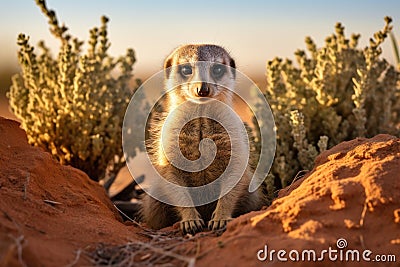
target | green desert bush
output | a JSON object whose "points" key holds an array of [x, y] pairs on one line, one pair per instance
{"points": [[335, 93], [73, 105]]}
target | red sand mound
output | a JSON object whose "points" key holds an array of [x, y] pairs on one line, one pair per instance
{"points": [[50, 213], [353, 193]]}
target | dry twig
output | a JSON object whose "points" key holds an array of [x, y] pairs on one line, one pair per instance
{"points": [[26, 185], [19, 242]]}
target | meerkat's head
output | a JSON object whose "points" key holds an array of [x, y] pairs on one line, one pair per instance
{"points": [[200, 71]]}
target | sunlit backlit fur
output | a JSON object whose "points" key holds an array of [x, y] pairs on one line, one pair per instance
{"points": [[185, 85]]}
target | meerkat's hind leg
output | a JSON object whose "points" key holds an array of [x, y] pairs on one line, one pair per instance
{"points": [[191, 222], [156, 214]]}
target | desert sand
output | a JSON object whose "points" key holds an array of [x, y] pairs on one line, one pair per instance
{"points": [[54, 215]]}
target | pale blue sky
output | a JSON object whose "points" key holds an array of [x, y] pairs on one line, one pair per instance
{"points": [[253, 31]]}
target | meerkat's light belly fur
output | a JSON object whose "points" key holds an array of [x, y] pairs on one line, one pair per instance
{"points": [[187, 129]]}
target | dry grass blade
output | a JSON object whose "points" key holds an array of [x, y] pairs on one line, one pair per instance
{"points": [[51, 202], [77, 257]]}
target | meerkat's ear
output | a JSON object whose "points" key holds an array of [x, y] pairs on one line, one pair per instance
{"points": [[167, 65], [232, 64]]}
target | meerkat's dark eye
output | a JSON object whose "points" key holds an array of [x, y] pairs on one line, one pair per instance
{"points": [[185, 70], [218, 70]]}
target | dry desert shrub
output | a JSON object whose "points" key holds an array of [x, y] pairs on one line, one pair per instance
{"points": [[334, 93], [73, 105]]}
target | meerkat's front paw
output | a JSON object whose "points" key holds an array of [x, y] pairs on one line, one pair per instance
{"points": [[192, 226], [218, 222]]}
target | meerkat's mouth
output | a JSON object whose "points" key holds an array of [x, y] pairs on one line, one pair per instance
{"points": [[200, 100]]}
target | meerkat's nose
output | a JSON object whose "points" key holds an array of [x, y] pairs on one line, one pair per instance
{"points": [[204, 90]]}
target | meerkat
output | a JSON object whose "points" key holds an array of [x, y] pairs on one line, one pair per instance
{"points": [[180, 71]]}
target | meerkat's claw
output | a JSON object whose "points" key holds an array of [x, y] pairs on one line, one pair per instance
{"points": [[192, 226], [218, 221], [216, 224]]}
